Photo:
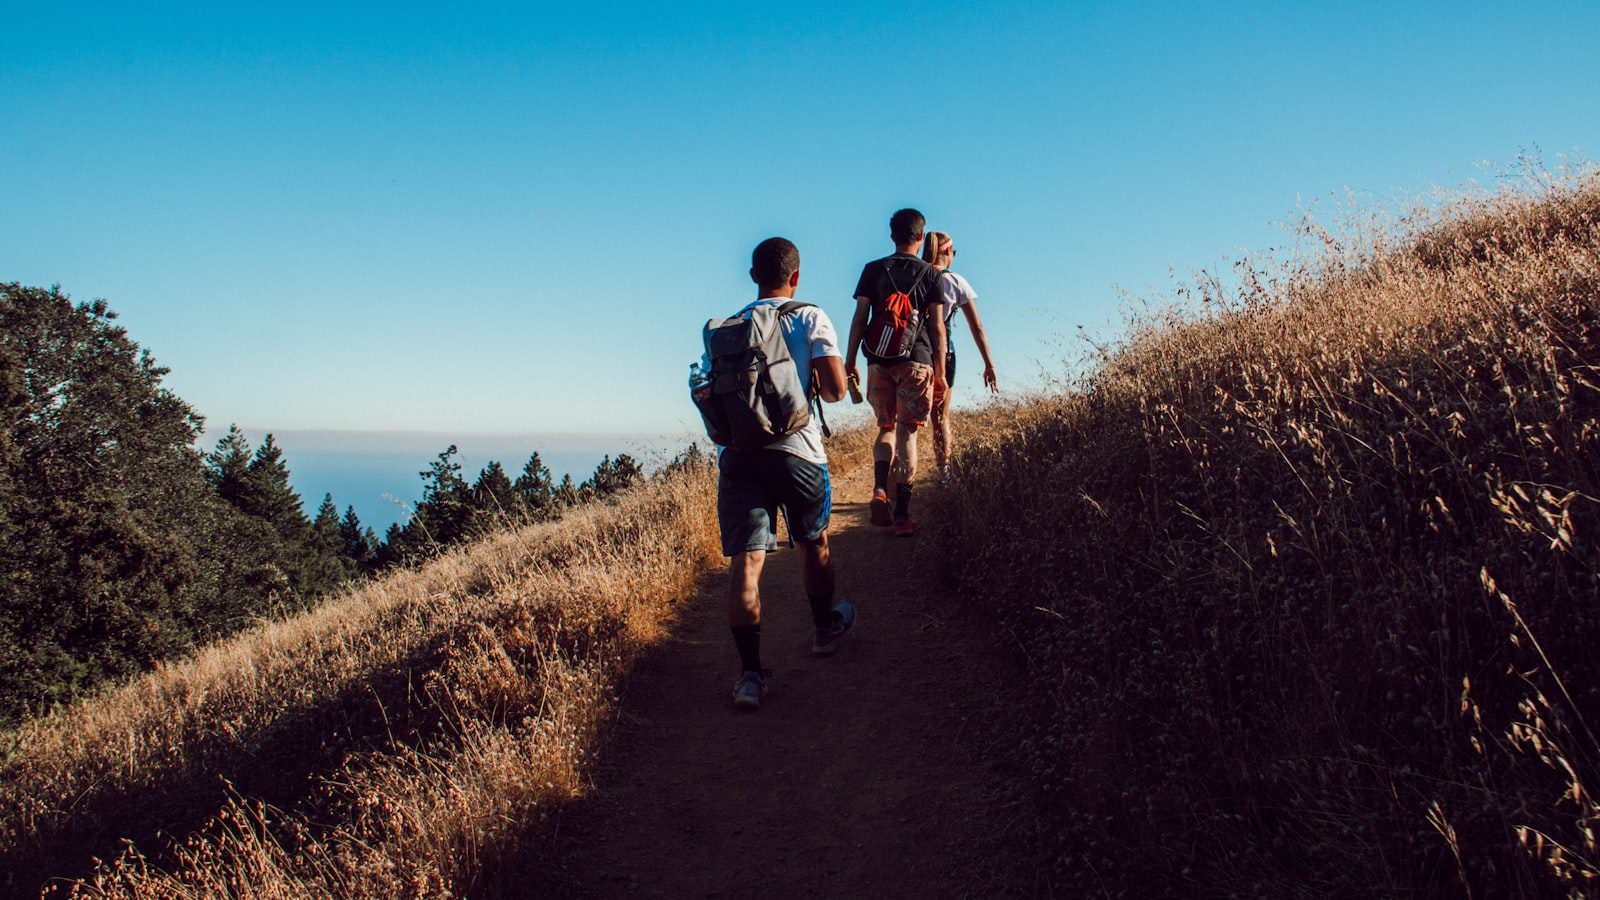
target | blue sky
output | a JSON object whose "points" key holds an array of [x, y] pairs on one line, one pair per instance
{"points": [[514, 219]]}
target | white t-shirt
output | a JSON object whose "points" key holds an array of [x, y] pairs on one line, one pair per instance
{"points": [[957, 293], [810, 335]]}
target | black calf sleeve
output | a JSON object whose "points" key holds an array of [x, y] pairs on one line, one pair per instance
{"points": [[821, 611], [902, 501], [880, 474], [747, 638]]}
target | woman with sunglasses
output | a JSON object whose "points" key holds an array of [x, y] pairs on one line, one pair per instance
{"points": [[940, 250]]}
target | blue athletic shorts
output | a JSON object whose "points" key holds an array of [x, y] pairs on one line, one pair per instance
{"points": [[754, 484]]}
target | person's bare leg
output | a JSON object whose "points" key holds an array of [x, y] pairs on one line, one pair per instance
{"points": [[819, 580], [883, 446], [744, 607], [833, 619], [941, 431], [744, 588]]}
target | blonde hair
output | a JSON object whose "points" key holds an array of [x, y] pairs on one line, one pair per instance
{"points": [[930, 246]]}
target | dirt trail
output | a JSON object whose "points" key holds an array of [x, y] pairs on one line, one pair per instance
{"points": [[867, 774]]}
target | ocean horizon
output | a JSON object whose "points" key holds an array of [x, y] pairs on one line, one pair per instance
{"points": [[379, 472]]}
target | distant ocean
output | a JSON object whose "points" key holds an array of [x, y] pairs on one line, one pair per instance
{"points": [[379, 473]]}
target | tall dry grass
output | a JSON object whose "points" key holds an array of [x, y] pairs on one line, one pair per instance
{"points": [[405, 739], [1305, 573]]}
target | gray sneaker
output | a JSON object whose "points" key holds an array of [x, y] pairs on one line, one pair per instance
{"points": [[749, 689], [827, 639]]}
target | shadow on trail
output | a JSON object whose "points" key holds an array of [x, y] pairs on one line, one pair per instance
{"points": [[874, 772]]}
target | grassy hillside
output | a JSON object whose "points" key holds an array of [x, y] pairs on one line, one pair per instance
{"points": [[398, 741], [1305, 578]]}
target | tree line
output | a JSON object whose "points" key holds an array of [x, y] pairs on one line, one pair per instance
{"points": [[121, 544]]}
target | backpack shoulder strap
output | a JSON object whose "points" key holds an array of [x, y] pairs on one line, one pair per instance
{"points": [[793, 306]]}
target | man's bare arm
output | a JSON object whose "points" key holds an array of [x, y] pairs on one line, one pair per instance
{"points": [[858, 330], [827, 373]]}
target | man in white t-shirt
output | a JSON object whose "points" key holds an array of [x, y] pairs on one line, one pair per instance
{"points": [[791, 473]]}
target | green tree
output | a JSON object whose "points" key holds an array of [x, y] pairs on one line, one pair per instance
{"points": [[611, 476], [395, 549], [269, 496], [446, 507], [228, 466], [325, 528], [360, 545], [326, 566], [494, 499], [566, 494], [114, 550], [535, 489]]}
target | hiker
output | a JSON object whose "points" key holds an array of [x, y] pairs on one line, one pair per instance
{"points": [[755, 387], [899, 327], [940, 250]]}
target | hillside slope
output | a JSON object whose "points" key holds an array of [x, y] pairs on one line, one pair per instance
{"points": [[392, 742], [1306, 581]]}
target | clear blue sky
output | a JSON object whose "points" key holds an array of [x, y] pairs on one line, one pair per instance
{"points": [[514, 219]]}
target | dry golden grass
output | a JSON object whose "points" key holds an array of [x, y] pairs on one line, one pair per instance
{"points": [[1306, 570], [432, 718]]}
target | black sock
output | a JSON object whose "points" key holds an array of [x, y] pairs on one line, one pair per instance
{"points": [[902, 501], [748, 639], [880, 474], [821, 611]]}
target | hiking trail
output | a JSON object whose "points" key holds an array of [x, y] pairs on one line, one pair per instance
{"points": [[870, 773]]}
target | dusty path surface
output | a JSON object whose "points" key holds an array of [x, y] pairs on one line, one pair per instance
{"points": [[871, 773]]}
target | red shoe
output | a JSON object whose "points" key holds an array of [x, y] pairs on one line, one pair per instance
{"points": [[905, 527], [880, 508]]}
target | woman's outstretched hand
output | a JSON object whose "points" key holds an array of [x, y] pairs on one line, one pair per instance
{"points": [[989, 380]]}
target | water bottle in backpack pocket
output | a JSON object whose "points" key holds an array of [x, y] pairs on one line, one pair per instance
{"points": [[755, 395], [892, 326]]}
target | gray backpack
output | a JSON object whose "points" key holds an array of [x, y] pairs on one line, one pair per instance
{"points": [[753, 397]]}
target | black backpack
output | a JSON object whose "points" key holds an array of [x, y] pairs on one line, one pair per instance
{"points": [[894, 323]]}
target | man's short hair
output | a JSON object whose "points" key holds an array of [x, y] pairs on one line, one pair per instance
{"points": [[774, 260], [906, 226]]}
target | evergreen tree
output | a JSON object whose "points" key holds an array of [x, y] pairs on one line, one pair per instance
{"points": [[535, 489], [594, 485], [494, 500], [629, 472], [690, 457], [115, 551], [269, 496], [611, 476], [325, 528], [228, 466], [625, 471], [394, 549], [446, 507], [566, 494], [359, 545], [326, 566]]}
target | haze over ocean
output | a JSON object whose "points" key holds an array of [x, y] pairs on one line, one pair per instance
{"points": [[379, 472]]}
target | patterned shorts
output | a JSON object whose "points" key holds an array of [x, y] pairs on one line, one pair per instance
{"points": [[901, 393]]}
